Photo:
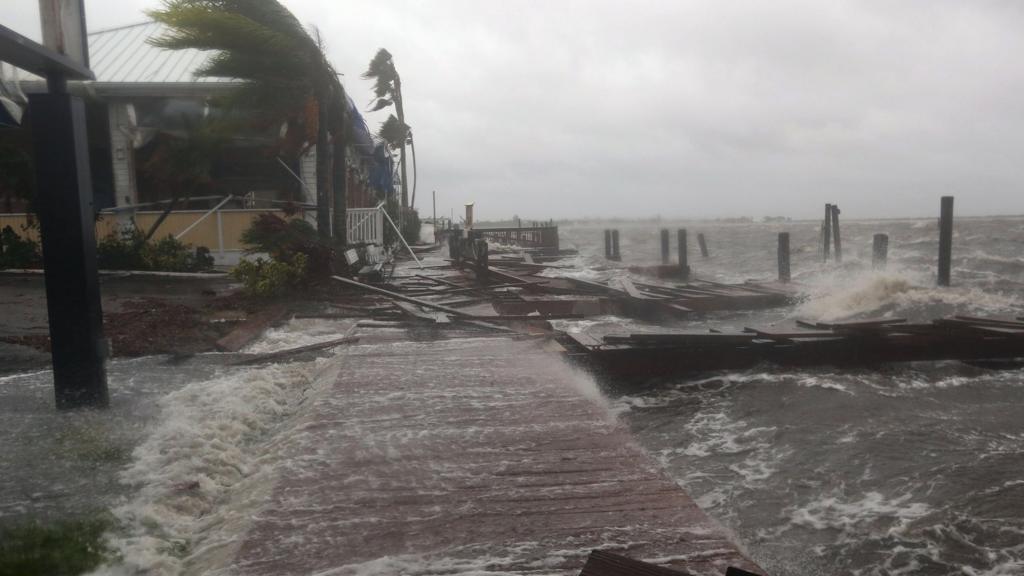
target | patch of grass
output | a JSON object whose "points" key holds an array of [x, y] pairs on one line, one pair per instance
{"points": [[62, 548], [93, 443]]}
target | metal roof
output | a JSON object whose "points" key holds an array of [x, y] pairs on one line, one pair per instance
{"points": [[124, 55]]}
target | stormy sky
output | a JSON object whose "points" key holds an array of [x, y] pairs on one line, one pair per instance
{"points": [[690, 109]]}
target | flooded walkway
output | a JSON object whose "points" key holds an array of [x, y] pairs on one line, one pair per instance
{"points": [[472, 455]]}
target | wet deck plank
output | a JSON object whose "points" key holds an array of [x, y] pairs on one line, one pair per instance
{"points": [[472, 455]]}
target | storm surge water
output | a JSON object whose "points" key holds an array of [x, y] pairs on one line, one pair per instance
{"points": [[900, 469]]}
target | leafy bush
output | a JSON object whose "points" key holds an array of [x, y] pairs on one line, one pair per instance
{"points": [[17, 252], [128, 250], [285, 239], [268, 278]]}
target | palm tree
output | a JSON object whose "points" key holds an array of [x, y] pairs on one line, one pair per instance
{"points": [[286, 74], [388, 90]]}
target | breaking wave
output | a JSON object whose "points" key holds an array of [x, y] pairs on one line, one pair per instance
{"points": [[203, 466], [888, 294]]}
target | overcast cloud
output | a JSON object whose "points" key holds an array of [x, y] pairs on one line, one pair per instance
{"points": [[690, 109]]}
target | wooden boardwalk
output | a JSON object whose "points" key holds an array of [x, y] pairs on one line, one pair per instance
{"points": [[471, 455]]}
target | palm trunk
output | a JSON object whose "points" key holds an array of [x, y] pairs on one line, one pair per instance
{"points": [[323, 166], [401, 118]]}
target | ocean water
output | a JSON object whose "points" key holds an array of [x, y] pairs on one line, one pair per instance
{"points": [[903, 469], [909, 469]]}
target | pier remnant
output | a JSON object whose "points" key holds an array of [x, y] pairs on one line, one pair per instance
{"points": [[616, 255], [703, 245], [835, 234], [607, 244], [665, 256], [481, 253], [826, 234], [684, 265], [784, 257], [945, 239], [880, 251]]}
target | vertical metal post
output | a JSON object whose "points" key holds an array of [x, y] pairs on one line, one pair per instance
{"points": [[945, 239], [684, 264], [615, 245], [879, 251], [827, 234], [784, 257], [433, 196], [835, 233], [220, 236], [64, 201], [665, 257], [703, 245], [607, 244]]}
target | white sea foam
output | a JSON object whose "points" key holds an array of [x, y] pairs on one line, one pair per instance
{"points": [[888, 294], [873, 511], [210, 439], [300, 332]]}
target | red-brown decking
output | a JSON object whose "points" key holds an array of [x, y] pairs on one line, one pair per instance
{"points": [[482, 455]]}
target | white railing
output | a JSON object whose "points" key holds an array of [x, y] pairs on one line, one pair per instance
{"points": [[365, 225]]}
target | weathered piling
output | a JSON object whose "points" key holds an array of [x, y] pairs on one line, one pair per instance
{"points": [[784, 257], [703, 245], [835, 233], [826, 235], [880, 251], [665, 256], [482, 256], [945, 239], [607, 244], [684, 265], [616, 255]]}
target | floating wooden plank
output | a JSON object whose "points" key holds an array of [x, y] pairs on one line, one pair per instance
{"points": [[251, 328], [281, 354], [860, 343]]}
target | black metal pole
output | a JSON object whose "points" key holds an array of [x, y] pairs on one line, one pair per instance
{"points": [[607, 244], [615, 245], [66, 217], [665, 258], [945, 239]]}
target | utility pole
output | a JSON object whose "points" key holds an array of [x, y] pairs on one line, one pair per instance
{"points": [[433, 195]]}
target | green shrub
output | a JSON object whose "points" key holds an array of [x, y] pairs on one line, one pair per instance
{"points": [[65, 547], [122, 251], [17, 252], [128, 250], [285, 239], [268, 278]]}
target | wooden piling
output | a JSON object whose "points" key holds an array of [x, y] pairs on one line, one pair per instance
{"points": [[607, 244], [684, 265], [665, 256], [784, 257], [945, 239], [835, 233], [482, 257], [703, 245], [616, 255], [827, 234], [880, 251]]}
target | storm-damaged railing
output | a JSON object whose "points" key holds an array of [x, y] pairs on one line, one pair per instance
{"points": [[532, 237]]}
